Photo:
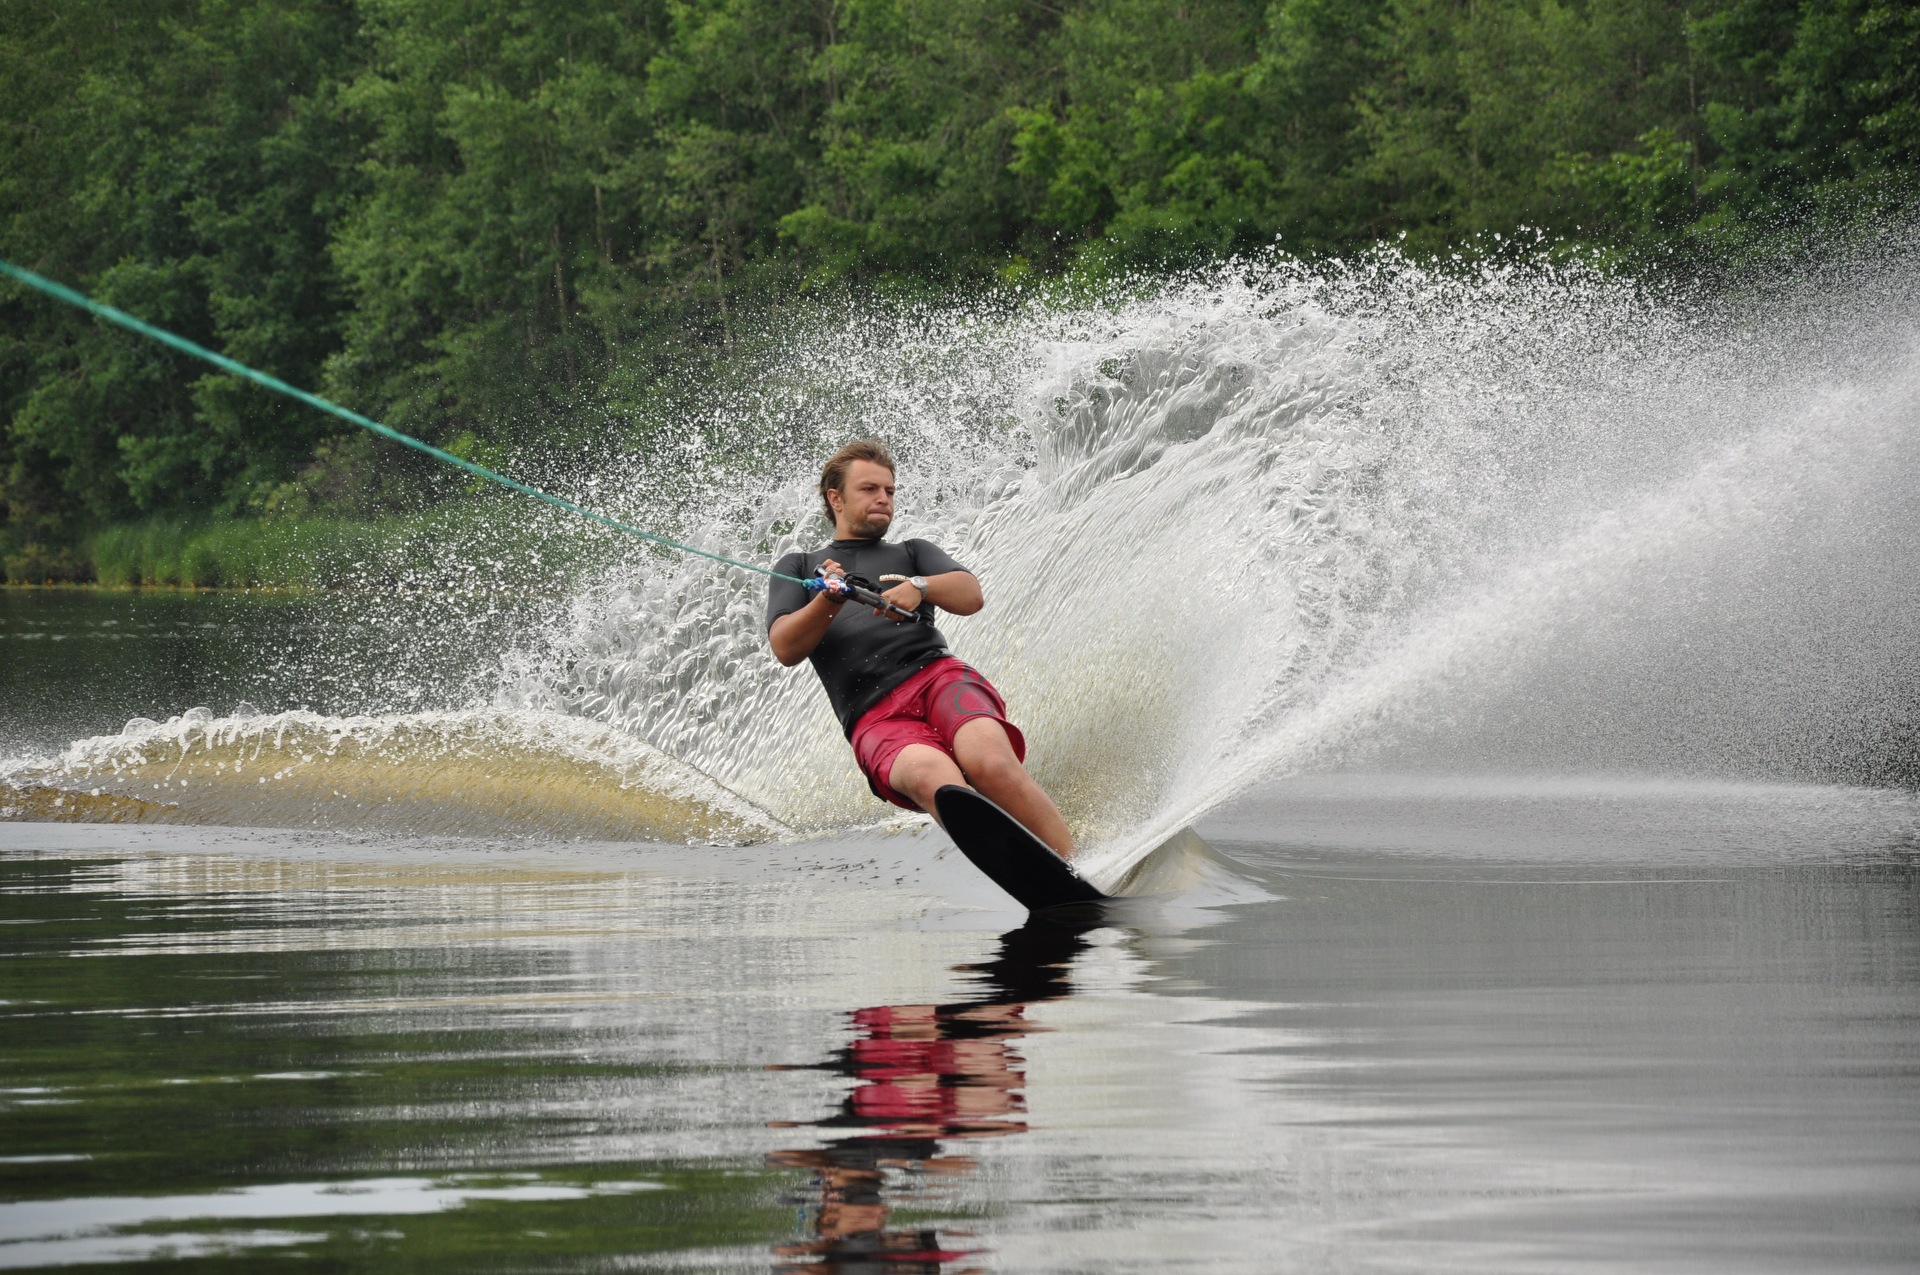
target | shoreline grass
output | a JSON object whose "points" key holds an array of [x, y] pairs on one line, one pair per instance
{"points": [[440, 545], [237, 554]]}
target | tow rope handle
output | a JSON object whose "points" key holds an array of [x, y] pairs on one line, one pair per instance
{"points": [[848, 591]]}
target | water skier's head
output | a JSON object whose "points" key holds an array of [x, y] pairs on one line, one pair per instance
{"points": [[856, 486]]}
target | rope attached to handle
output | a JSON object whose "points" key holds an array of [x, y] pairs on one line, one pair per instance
{"points": [[123, 319]]}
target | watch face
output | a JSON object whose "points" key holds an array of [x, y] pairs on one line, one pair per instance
{"points": [[919, 582]]}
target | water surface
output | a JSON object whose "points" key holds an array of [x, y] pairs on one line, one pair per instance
{"points": [[1670, 1052]]}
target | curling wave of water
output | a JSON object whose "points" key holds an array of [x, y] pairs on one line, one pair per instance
{"points": [[1270, 519], [1273, 519], [446, 773]]}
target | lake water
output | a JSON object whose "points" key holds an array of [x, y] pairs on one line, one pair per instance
{"points": [[1414, 1022], [1499, 683]]}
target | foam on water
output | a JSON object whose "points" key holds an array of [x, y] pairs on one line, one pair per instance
{"points": [[1270, 519], [483, 772]]}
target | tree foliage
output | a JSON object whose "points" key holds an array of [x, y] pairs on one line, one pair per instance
{"points": [[458, 215]]}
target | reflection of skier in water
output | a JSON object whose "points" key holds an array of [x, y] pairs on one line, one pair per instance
{"points": [[922, 1073]]}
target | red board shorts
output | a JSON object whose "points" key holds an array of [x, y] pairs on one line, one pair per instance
{"points": [[928, 708]]}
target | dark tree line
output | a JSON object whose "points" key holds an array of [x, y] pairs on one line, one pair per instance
{"points": [[451, 213]]}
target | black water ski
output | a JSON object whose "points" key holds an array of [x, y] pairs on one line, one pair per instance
{"points": [[1000, 846]]}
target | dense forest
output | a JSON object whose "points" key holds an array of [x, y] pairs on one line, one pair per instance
{"points": [[457, 214]]}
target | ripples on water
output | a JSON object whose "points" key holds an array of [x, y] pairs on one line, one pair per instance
{"points": [[1680, 1047]]}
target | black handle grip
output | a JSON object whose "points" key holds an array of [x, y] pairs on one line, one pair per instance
{"points": [[873, 599]]}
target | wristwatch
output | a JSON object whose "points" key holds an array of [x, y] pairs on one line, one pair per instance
{"points": [[920, 583]]}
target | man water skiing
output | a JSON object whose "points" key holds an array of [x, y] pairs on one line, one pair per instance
{"points": [[917, 717]]}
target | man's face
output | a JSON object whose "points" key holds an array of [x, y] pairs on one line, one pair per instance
{"points": [[864, 503]]}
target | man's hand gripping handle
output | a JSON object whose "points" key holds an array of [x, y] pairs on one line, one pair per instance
{"points": [[847, 591]]}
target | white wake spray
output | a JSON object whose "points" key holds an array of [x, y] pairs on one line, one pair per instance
{"points": [[1258, 521], [1274, 519]]}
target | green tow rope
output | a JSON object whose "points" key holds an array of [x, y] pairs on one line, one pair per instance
{"points": [[225, 364]]}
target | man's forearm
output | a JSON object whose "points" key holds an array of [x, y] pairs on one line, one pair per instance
{"points": [[795, 634], [957, 592]]}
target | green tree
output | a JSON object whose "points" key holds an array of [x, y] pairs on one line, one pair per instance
{"points": [[192, 169], [915, 137], [500, 184], [1481, 103], [504, 221], [733, 113], [1807, 101], [63, 388], [1160, 141]]}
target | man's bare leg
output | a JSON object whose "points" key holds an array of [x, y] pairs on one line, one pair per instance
{"points": [[986, 756], [921, 770]]}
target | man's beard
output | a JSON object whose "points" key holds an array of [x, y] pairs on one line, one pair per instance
{"points": [[870, 528]]}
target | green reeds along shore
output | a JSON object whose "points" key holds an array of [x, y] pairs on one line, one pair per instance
{"points": [[239, 554], [435, 547], [176, 553]]}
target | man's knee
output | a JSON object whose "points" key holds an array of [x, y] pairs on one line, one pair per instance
{"points": [[993, 767], [919, 771], [979, 738]]}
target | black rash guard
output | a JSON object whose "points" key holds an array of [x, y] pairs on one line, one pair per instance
{"points": [[863, 656]]}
